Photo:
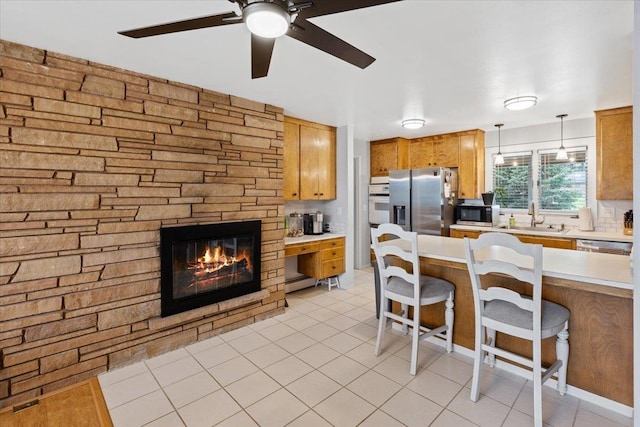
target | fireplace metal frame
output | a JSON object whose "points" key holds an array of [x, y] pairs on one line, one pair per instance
{"points": [[169, 236]]}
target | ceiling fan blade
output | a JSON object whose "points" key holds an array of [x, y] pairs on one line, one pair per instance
{"points": [[261, 50], [315, 36], [327, 7], [186, 25]]}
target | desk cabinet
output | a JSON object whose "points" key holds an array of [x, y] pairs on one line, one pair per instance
{"points": [[319, 259]]}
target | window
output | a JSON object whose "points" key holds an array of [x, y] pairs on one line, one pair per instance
{"points": [[554, 185], [563, 183], [512, 181]]}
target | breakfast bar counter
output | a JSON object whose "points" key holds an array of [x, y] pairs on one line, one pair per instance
{"points": [[597, 289]]}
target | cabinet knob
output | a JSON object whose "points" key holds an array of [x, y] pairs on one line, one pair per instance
{"points": [[294, 194], [322, 194]]}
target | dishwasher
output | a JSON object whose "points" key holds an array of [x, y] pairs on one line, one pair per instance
{"points": [[602, 246]]}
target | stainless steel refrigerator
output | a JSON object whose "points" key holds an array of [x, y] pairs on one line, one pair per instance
{"points": [[423, 200]]}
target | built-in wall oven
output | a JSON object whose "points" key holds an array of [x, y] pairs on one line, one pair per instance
{"points": [[379, 200]]}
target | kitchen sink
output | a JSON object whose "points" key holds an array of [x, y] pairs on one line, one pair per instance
{"points": [[546, 229]]}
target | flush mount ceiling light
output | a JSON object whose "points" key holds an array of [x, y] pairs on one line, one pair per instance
{"points": [[520, 102], [413, 123], [266, 19], [499, 158], [562, 153]]}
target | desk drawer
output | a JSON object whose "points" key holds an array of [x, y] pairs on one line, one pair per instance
{"points": [[301, 248], [333, 267], [333, 253], [332, 243]]}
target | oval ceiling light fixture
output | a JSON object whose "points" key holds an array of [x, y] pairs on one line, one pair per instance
{"points": [[413, 123], [266, 19], [520, 102]]}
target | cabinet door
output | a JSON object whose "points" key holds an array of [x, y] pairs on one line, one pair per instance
{"points": [[308, 163], [383, 157], [459, 234], [614, 154], [471, 166], [421, 153], [547, 242], [326, 167], [317, 164], [291, 161], [445, 152]]}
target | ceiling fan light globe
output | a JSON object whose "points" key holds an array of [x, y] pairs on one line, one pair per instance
{"points": [[266, 20]]}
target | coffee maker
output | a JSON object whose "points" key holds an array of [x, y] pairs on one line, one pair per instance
{"points": [[313, 223]]}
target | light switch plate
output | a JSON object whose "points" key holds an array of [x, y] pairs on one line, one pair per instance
{"points": [[608, 212]]}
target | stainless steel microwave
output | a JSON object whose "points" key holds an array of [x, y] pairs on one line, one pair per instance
{"points": [[479, 215]]}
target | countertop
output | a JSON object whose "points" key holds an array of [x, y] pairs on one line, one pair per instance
{"points": [[589, 267], [310, 238], [571, 234]]}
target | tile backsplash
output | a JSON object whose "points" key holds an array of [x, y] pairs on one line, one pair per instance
{"points": [[611, 213]]}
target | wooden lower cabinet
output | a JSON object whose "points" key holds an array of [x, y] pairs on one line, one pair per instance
{"points": [[460, 234], [321, 259], [547, 242]]}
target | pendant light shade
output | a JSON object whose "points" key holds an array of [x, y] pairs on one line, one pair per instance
{"points": [[266, 19], [499, 160], [562, 152]]}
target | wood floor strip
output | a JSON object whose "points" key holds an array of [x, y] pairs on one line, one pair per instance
{"points": [[78, 405]]}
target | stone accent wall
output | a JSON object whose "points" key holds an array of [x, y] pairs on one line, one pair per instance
{"points": [[93, 161]]}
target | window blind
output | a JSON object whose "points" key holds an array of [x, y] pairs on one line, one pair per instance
{"points": [[563, 183], [512, 181]]}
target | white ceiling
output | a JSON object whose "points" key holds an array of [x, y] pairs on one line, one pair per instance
{"points": [[450, 62]]}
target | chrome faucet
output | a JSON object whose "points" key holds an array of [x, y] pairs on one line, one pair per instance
{"points": [[532, 212]]}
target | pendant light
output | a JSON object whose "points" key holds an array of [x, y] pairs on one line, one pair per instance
{"points": [[499, 158], [562, 153]]}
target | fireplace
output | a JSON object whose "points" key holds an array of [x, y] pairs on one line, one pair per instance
{"points": [[205, 264]]}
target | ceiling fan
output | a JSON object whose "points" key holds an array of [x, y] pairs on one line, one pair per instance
{"points": [[269, 19]]}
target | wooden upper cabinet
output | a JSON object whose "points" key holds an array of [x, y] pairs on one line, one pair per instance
{"points": [[471, 165], [434, 151], [313, 175], [445, 151], [291, 161], [317, 164], [614, 154], [388, 154]]}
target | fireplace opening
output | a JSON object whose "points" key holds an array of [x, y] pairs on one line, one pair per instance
{"points": [[205, 264]]}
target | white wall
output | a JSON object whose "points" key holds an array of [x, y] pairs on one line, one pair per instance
{"points": [[363, 233]]}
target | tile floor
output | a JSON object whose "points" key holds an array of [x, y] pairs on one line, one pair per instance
{"points": [[314, 366]]}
